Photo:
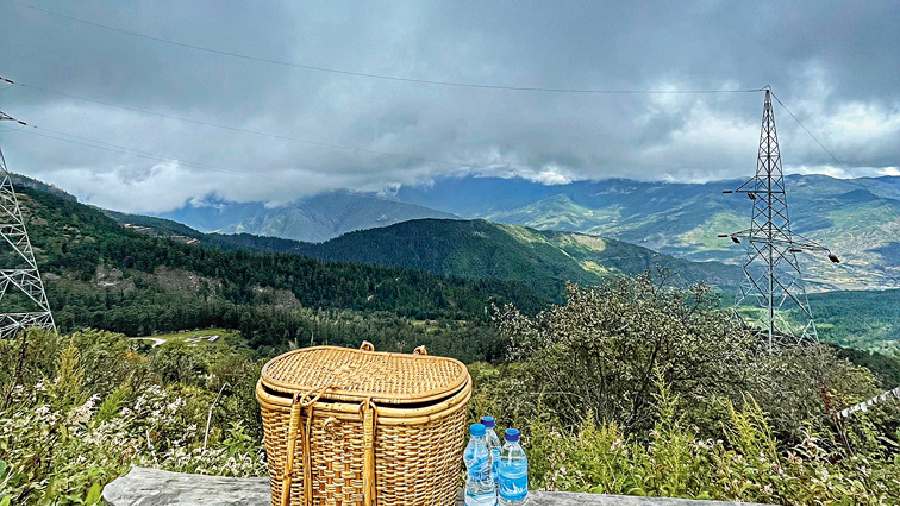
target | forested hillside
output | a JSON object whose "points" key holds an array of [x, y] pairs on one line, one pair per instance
{"points": [[102, 275], [476, 249], [862, 320], [857, 218], [543, 260], [160, 275]]}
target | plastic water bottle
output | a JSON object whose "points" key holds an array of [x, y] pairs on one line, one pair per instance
{"points": [[480, 490], [493, 444], [513, 471]]}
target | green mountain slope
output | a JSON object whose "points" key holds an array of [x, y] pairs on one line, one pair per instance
{"points": [[101, 274], [476, 249], [864, 320], [156, 275], [858, 224], [479, 249], [858, 218]]}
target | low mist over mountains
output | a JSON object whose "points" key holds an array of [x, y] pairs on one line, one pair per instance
{"points": [[313, 219]]}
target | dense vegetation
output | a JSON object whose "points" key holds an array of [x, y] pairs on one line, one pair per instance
{"points": [[868, 320], [629, 388], [865, 320], [672, 399]]}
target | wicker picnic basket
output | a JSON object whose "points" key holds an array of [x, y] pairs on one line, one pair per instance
{"points": [[360, 427]]}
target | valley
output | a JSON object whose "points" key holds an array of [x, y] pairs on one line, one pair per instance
{"points": [[542, 260], [120, 290], [102, 275]]}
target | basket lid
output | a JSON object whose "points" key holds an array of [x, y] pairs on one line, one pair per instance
{"points": [[346, 374]]}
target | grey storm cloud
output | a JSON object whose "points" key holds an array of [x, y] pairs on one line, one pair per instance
{"points": [[833, 63]]}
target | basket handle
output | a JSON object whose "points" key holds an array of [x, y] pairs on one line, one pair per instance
{"points": [[368, 415], [420, 350], [367, 346], [300, 402], [288, 472]]}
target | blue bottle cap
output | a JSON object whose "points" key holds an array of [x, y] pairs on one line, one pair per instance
{"points": [[477, 430], [511, 435], [488, 421]]}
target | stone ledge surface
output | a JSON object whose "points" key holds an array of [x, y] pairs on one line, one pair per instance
{"points": [[153, 487]]}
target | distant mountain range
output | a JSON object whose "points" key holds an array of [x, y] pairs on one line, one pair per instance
{"points": [[858, 218], [538, 262], [312, 219]]}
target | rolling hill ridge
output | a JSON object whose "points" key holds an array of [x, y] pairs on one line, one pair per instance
{"points": [[538, 258], [475, 249]]}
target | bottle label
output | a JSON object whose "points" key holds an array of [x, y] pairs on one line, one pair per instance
{"points": [[513, 481]]}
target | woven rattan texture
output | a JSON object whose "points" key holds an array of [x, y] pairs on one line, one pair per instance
{"points": [[416, 464], [347, 373]]}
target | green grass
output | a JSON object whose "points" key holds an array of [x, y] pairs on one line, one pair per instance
{"points": [[706, 235], [185, 334], [862, 320]]}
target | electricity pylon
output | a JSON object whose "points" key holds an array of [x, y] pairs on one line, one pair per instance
{"points": [[20, 281], [772, 277]]}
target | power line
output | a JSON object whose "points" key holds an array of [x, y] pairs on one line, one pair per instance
{"points": [[231, 128], [369, 75], [116, 148], [319, 143], [813, 137]]}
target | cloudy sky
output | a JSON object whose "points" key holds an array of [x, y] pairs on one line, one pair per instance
{"points": [[834, 64]]}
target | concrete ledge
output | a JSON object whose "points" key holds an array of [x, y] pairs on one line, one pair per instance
{"points": [[152, 487]]}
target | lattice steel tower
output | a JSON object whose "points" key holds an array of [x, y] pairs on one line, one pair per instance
{"points": [[772, 276], [22, 296]]}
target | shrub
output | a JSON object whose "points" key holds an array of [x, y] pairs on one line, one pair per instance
{"points": [[598, 353], [631, 388]]}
